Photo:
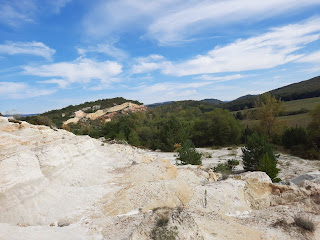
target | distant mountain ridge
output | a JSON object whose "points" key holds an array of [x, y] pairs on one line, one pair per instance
{"points": [[207, 100], [300, 90]]}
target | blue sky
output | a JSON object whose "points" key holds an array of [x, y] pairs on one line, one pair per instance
{"points": [[54, 53]]}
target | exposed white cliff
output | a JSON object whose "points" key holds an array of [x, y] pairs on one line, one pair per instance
{"points": [[55, 185], [107, 113]]}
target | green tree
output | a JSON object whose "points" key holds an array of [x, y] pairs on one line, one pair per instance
{"points": [[268, 165], [216, 128], [121, 136], [293, 137], [134, 139], [258, 154], [314, 126], [171, 131], [269, 108], [187, 154]]}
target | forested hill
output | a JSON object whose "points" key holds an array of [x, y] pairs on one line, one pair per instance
{"points": [[60, 115], [301, 90], [192, 103]]}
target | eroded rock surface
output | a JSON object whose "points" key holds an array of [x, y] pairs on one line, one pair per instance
{"points": [[55, 185]]}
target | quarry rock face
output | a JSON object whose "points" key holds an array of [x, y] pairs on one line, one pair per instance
{"points": [[55, 185], [105, 114]]}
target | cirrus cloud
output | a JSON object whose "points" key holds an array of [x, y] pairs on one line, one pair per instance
{"points": [[30, 48]]}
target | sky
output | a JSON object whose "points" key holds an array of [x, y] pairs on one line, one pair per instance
{"points": [[54, 53]]}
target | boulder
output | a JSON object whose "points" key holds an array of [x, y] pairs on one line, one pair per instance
{"points": [[311, 176]]}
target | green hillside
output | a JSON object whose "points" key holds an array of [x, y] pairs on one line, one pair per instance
{"points": [[58, 116], [295, 114], [301, 90]]}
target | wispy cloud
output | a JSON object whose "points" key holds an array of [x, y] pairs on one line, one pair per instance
{"points": [[31, 48], [105, 48], [148, 64], [61, 83], [176, 20], [82, 70], [311, 58], [21, 90], [221, 79], [166, 91], [17, 12], [268, 50]]}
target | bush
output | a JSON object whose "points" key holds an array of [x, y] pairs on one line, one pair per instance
{"points": [[305, 223], [187, 154], [293, 137], [216, 128], [223, 168], [258, 155], [233, 163], [269, 166], [40, 120]]}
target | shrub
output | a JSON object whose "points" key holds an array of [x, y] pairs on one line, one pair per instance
{"points": [[233, 163], [188, 154], [216, 128], [293, 137], [223, 168], [305, 223], [40, 120], [259, 155], [134, 139], [269, 166]]}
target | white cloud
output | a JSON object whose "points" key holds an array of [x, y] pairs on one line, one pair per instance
{"points": [[171, 21], [21, 90], [61, 83], [221, 79], [31, 48], [16, 12], [169, 86], [148, 64], [83, 70], [199, 15], [106, 48], [265, 51], [311, 58], [167, 91]]}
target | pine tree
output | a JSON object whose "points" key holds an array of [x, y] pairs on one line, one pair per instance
{"points": [[258, 155], [134, 139], [268, 165]]}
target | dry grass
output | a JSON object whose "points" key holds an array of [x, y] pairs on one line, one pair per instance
{"points": [[305, 223]]}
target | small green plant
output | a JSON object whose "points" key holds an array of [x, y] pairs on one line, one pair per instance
{"points": [[162, 221], [223, 168], [305, 223], [161, 230], [205, 198], [233, 163], [188, 154]]}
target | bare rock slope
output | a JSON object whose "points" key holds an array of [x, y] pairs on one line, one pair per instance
{"points": [[55, 185]]}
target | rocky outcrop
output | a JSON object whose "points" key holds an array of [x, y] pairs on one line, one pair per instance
{"points": [[55, 185], [105, 114]]}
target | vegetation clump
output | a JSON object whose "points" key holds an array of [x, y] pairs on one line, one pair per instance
{"points": [[305, 223], [161, 230], [258, 155], [187, 154]]}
